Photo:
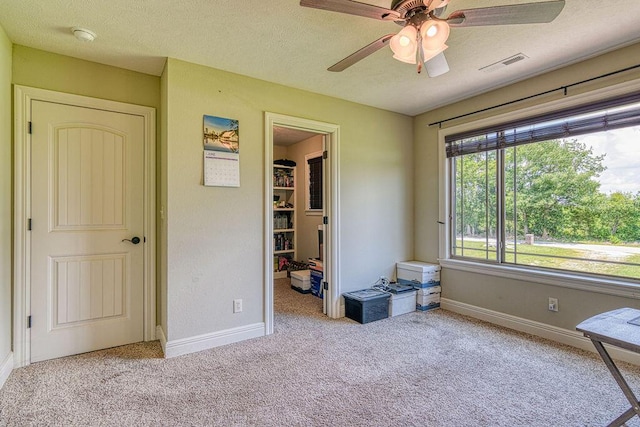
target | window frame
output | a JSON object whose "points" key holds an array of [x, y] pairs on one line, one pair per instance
{"points": [[595, 283], [307, 175]]}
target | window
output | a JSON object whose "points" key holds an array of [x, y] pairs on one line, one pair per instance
{"points": [[314, 182], [558, 191]]}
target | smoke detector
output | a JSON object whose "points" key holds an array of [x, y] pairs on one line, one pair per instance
{"points": [[83, 34]]}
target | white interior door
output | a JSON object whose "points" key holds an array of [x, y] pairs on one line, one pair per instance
{"points": [[87, 175]]}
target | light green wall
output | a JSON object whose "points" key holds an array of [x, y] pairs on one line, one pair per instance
{"points": [[517, 298], [215, 235], [46, 70], [5, 196]]}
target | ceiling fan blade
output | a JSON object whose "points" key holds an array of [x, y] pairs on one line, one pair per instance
{"points": [[526, 13], [362, 53], [432, 5], [353, 8], [437, 65]]}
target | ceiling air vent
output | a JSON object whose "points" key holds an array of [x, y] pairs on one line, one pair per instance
{"points": [[503, 63]]}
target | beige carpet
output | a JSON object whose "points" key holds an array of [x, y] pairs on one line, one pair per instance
{"points": [[422, 369]]}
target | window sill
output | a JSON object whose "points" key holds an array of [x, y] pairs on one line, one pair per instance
{"points": [[310, 212], [605, 285]]}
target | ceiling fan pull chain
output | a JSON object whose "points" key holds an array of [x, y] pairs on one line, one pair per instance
{"points": [[419, 53]]}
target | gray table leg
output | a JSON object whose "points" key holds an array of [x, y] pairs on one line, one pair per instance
{"points": [[635, 406]]}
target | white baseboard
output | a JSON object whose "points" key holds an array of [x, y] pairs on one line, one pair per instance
{"points": [[204, 342], [5, 368], [553, 333]]}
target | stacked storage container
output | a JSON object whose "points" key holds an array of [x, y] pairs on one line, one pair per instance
{"points": [[301, 281], [316, 268], [425, 278]]}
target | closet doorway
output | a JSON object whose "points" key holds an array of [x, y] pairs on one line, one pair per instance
{"points": [[301, 206]]}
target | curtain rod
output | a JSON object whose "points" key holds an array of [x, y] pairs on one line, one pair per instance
{"points": [[562, 88]]}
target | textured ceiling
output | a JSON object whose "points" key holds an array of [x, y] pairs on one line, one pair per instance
{"points": [[288, 136], [282, 42]]}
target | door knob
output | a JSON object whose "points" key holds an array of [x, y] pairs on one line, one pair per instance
{"points": [[135, 240]]}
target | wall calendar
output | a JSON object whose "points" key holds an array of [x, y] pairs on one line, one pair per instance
{"points": [[221, 152]]}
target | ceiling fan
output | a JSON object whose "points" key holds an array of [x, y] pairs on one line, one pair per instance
{"points": [[424, 33]]}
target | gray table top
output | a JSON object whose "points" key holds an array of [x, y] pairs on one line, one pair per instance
{"points": [[613, 328]]}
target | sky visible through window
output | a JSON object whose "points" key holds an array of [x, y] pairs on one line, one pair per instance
{"points": [[622, 160]]}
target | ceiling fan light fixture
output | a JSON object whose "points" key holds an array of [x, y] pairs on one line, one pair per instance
{"points": [[409, 59], [429, 54], [404, 43], [434, 34]]}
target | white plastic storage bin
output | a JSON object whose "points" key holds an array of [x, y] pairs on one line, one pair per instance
{"points": [[419, 274], [301, 281], [402, 303], [427, 302]]}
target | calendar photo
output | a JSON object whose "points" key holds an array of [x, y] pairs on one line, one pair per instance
{"points": [[220, 134]]}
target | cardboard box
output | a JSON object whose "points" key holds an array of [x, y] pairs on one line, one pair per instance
{"points": [[430, 290], [428, 302], [316, 283], [316, 267], [301, 281], [315, 264], [417, 273]]}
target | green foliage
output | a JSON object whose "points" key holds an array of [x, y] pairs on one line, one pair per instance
{"points": [[551, 191], [551, 179], [476, 193]]}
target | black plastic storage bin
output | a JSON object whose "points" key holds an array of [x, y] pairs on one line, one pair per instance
{"points": [[366, 305]]}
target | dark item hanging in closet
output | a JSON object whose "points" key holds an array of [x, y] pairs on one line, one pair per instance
{"points": [[284, 162]]}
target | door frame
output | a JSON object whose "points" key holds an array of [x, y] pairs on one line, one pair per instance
{"points": [[23, 95], [331, 236]]}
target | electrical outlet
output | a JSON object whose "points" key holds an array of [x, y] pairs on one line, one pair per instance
{"points": [[553, 304], [237, 305]]}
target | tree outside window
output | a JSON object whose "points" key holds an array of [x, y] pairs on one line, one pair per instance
{"points": [[567, 203]]}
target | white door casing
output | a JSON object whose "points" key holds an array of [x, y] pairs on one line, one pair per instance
{"points": [[331, 234], [83, 177]]}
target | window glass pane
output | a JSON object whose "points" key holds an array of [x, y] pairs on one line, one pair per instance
{"points": [[315, 183], [573, 204], [475, 206]]}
